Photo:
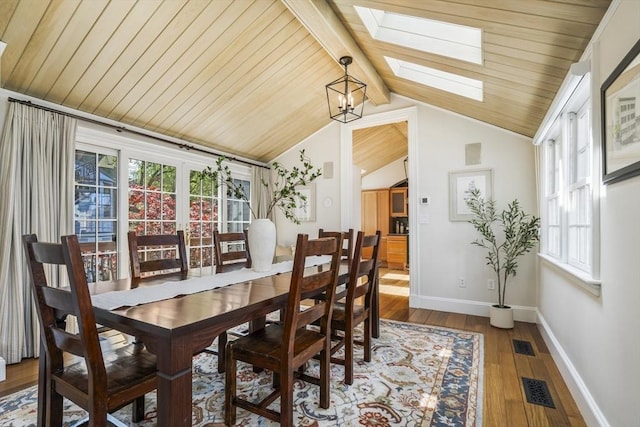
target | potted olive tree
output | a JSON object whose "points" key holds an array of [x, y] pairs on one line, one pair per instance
{"points": [[505, 236], [285, 195]]}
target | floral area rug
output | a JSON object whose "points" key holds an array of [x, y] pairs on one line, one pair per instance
{"points": [[419, 375]]}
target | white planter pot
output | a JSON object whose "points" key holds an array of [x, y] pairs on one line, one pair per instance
{"points": [[501, 317], [262, 244]]}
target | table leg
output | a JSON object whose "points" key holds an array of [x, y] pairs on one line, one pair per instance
{"points": [[174, 384]]}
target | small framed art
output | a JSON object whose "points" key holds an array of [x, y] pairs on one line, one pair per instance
{"points": [[460, 183]]}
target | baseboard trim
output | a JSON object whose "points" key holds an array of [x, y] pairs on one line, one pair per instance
{"points": [[476, 308], [590, 411]]}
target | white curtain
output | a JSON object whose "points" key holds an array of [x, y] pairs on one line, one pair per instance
{"points": [[36, 178], [261, 195]]}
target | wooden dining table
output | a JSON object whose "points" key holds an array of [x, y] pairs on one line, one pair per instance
{"points": [[175, 329]]}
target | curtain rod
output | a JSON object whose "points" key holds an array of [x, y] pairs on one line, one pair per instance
{"points": [[124, 129]]}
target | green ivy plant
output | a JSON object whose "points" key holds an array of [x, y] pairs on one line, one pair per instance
{"points": [[285, 194], [518, 234]]}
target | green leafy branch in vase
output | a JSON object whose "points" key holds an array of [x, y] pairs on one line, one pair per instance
{"points": [[520, 233], [285, 193]]}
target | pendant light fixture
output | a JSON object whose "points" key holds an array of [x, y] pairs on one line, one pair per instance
{"points": [[346, 96]]}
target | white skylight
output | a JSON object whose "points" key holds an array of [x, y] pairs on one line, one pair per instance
{"points": [[453, 83], [441, 38]]}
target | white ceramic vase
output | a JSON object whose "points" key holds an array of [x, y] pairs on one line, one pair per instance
{"points": [[262, 244], [501, 317]]}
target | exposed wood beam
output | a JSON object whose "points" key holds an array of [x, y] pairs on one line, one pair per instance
{"points": [[321, 21]]}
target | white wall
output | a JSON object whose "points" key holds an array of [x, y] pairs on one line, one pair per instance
{"points": [[323, 146], [444, 249], [386, 176], [595, 339]]}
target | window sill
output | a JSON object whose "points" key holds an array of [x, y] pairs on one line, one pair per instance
{"points": [[581, 278]]}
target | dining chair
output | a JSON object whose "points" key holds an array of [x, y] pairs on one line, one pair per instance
{"points": [[363, 275], [231, 251], [99, 383], [347, 240], [144, 260], [283, 348]]}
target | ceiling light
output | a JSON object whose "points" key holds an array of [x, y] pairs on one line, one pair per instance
{"points": [[346, 96]]}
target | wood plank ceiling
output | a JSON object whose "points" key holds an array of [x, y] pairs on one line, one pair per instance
{"points": [[377, 146], [247, 77]]}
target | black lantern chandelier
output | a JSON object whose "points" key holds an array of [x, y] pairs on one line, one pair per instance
{"points": [[346, 96]]}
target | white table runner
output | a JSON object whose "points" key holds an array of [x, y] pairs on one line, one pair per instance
{"points": [[137, 296]]}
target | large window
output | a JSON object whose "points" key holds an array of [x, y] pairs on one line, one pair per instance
{"points": [[118, 189], [203, 219], [238, 214], [568, 232], [96, 213]]}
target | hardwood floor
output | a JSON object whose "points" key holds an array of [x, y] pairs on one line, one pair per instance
{"points": [[505, 403], [19, 376]]}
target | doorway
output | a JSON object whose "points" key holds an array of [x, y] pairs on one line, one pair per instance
{"points": [[351, 185]]}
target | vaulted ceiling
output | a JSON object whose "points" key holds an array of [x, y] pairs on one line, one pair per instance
{"points": [[248, 77]]}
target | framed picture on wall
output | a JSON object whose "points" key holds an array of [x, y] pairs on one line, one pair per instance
{"points": [[306, 209], [460, 183], [620, 95]]}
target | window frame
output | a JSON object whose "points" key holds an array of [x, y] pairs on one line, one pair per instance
{"points": [[90, 137], [564, 130], [100, 150]]}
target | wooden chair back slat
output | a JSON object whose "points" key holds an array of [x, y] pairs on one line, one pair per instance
{"points": [[68, 342], [226, 259], [48, 253], [233, 255], [312, 313], [160, 264], [140, 269], [311, 284], [57, 299]]}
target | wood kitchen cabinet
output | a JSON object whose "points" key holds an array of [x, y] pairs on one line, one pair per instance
{"points": [[382, 252], [398, 204], [397, 251], [375, 216]]}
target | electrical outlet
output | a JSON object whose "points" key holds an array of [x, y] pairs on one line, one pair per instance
{"points": [[491, 284], [461, 283]]}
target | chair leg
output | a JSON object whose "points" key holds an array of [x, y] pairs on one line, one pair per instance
{"points": [[222, 350], [325, 366], [230, 389], [286, 399], [348, 354], [54, 408], [367, 339], [44, 388], [137, 409], [97, 413]]}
